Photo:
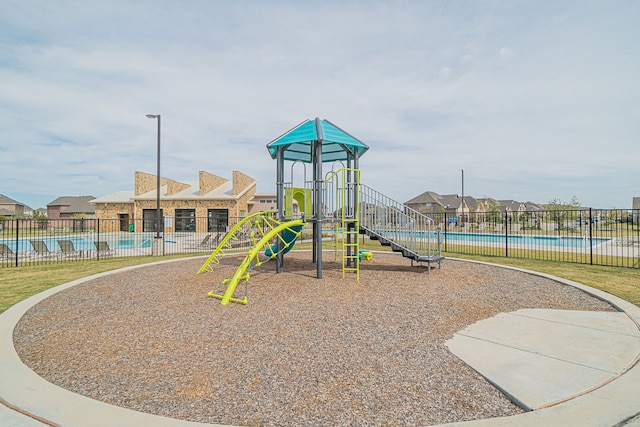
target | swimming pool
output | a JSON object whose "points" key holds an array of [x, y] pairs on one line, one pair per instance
{"points": [[84, 243], [524, 240]]}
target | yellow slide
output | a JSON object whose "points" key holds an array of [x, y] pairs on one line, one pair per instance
{"points": [[234, 234], [289, 227]]}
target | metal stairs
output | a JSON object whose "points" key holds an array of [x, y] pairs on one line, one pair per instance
{"points": [[394, 224], [406, 252]]}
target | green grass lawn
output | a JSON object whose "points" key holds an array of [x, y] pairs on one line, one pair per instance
{"points": [[19, 283]]}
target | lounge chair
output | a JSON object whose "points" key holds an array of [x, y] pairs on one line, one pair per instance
{"points": [[6, 252], [40, 250], [203, 244], [103, 249], [207, 243], [627, 241], [68, 250]]}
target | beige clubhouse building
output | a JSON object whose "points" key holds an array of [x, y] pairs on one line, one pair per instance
{"points": [[208, 205]]}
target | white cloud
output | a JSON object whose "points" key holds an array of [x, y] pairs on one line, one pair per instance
{"points": [[506, 53], [555, 108], [445, 72]]}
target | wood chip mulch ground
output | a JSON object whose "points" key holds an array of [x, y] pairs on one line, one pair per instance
{"points": [[303, 352]]}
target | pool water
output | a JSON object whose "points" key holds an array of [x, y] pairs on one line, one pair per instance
{"points": [[84, 243], [526, 240]]}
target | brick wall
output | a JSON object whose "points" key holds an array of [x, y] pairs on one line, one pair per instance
{"points": [[208, 182], [241, 182]]}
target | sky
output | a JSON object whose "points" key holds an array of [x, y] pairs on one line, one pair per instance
{"points": [[534, 100]]}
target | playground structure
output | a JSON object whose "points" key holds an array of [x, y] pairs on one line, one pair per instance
{"points": [[336, 199]]}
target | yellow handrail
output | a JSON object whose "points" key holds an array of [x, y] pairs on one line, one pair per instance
{"points": [[224, 244]]}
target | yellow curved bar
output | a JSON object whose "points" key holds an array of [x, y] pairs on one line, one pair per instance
{"points": [[253, 252], [225, 241]]}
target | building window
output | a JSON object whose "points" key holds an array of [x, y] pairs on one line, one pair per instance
{"points": [[149, 222], [185, 220], [217, 220]]}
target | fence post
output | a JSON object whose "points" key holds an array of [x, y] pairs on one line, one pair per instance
{"points": [[98, 239], [446, 221], [17, 240], [506, 234], [590, 238]]}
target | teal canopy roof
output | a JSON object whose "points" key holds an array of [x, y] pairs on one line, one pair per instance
{"points": [[298, 142]]}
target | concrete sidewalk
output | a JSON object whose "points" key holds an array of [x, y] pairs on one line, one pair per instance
{"points": [[572, 368]]}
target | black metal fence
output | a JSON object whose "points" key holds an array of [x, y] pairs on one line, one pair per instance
{"points": [[587, 236], [28, 242]]}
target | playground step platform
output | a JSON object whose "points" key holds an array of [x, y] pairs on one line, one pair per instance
{"points": [[407, 253]]}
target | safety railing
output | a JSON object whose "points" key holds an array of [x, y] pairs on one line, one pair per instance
{"points": [[384, 217], [587, 236], [608, 237], [31, 242]]}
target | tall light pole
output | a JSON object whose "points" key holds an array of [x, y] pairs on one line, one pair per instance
{"points": [[461, 219], [158, 219]]}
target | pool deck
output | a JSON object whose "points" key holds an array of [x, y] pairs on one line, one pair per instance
{"points": [[571, 368]]}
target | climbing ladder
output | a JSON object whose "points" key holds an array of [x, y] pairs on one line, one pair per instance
{"points": [[342, 201]]}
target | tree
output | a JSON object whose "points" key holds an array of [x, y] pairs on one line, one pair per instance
{"points": [[560, 211], [493, 214], [41, 219]]}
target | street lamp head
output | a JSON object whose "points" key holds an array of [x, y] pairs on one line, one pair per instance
{"points": [[153, 116]]}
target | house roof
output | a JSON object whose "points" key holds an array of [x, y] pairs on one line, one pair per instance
{"points": [[224, 191], [426, 197], [533, 207], [4, 200], [70, 200], [79, 204], [6, 212], [122, 196], [298, 142], [190, 190], [511, 205]]}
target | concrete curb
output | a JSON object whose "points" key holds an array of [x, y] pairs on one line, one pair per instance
{"points": [[24, 396]]}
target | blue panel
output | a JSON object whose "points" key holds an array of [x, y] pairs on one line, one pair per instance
{"points": [[298, 142]]}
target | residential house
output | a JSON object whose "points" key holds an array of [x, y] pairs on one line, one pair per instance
{"points": [[70, 207], [217, 199], [431, 203], [511, 206], [268, 202], [262, 203], [472, 210], [10, 208]]}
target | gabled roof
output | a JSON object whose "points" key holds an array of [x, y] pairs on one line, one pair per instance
{"points": [[298, 142], [426, 197], [209, 187], [533, 207], [510, 205], [191, 192], [451, 201], [122, 196], [78, 204], [70, 200], [4, 200]]}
